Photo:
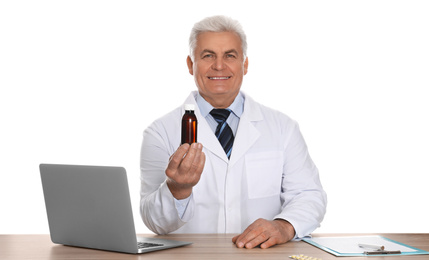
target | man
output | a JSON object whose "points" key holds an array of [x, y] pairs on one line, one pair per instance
{"points": [[266, 188]]}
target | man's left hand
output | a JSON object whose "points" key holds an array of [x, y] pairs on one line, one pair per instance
{"points": [[265, 233]]}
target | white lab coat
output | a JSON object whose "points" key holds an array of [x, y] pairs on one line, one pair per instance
{"points": [[269, 175]]}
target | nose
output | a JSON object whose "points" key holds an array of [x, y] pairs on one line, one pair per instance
{"points": [[218, 64]]}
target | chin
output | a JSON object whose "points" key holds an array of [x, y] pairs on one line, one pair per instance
{"points": [[221, 89]]}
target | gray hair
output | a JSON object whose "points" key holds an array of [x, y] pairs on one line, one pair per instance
{"points": [[217, 23]]}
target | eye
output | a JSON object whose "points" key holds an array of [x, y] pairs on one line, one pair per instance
{"points": [[229, 55], [205, 56]]}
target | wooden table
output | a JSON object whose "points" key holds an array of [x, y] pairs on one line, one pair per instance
{"points": [[205, 246]]}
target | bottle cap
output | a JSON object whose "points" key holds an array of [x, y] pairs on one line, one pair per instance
{"points": [[189, 107]]}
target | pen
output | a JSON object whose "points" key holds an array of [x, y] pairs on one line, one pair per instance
{"points": [[382, 252], [376, 247]]}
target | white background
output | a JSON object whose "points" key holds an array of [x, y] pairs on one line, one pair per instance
{"points": [[81, 80]]}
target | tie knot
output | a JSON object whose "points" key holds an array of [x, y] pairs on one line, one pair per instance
{"points": [[220, 115]]}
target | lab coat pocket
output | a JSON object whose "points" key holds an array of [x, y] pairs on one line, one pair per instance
{"points": [[264, 174]]}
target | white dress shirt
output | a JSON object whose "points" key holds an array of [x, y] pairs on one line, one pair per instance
{"points": [[269, 175]]}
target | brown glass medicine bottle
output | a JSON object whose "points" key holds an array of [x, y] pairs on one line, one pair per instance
{"points": [[189, 125]]}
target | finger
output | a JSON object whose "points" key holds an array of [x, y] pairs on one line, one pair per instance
{"points": [[178, 155], [244, 237], [199, 160], [189, 158], [255, 234], [257, 240], [176, 159], [193, 163], [269, 243], [202, 162]]}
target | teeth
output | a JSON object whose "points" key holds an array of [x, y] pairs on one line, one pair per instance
{"points": [[219, 77]]}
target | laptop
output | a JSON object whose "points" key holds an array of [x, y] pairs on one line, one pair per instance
{"points": [[90, 206]]}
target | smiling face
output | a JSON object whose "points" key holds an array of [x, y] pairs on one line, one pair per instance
{"points": [[218, 67]]}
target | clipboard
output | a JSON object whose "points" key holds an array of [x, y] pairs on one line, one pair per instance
{"points": [[349, 246]]}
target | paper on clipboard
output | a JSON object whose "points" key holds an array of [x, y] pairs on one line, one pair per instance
{"points": [[349, 246]]}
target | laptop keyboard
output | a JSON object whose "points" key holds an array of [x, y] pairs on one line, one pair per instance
{"points": [[146, 245]]}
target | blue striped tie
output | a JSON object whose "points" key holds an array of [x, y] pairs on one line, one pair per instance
{"points": [[223, 131]]}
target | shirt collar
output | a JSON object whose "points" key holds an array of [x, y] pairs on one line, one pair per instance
{"points": [[236, 107]]}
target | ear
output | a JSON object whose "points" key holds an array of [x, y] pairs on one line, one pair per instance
{"points": [[246, 64], [190, 65]]}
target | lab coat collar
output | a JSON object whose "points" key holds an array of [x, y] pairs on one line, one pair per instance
{"points": [[247, 134]]}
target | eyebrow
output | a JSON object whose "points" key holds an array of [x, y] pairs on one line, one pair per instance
{"points": [[207, 50], [212, 52], [232, 51]]}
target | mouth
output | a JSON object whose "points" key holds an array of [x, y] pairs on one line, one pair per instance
{"points": [[220, 78]]}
